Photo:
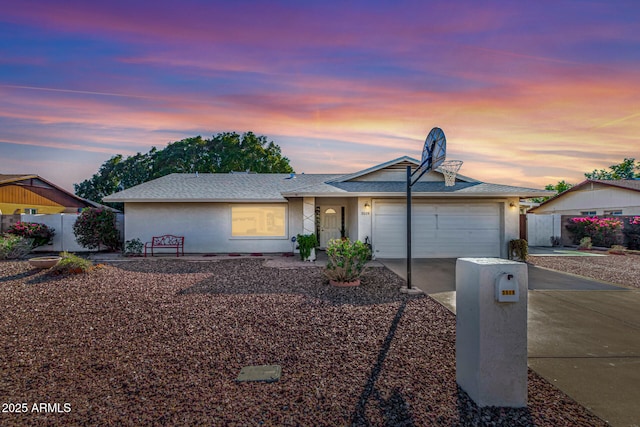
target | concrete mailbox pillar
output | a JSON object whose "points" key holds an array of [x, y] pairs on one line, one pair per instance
{"points": [[491, 330]]}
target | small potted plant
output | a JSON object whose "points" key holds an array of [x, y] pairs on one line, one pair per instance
{"points": [[346, 261], [307, 243]]}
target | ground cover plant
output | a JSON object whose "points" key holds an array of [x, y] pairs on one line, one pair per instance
{"points": [[14, 247], [71, 264], [161, 343]]}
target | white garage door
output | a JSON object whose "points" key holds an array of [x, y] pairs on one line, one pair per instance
{"points": [[441, 230]]}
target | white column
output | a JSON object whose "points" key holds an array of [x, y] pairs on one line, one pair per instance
{"points": [[308, 215], [491, 336]]}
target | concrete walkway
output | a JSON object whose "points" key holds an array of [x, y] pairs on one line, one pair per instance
{"points": [[583, 335]]}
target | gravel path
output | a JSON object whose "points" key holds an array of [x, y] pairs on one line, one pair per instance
{"points": [[618, 269], [161, 343]]}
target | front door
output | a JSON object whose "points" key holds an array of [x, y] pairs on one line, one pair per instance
{"points": [[330, 224]]}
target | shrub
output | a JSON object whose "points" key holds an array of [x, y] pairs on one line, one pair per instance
{"points": [[346, 259], [617, 250], [585, 243], [96, 227], [602, 231], [40, 234], [71, 264], [519, 249], [631, 233], [133, 247], [14, 247]]}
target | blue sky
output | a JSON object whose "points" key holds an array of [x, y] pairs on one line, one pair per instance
{"points": [[528, 93]]}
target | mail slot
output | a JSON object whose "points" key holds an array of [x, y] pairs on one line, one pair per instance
{"points": [[507, 288]]}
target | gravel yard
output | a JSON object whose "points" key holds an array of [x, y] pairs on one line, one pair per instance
{"points": [[618, 269], [162, 342]]}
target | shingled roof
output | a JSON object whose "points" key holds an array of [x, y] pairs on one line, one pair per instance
{"points": [[250, 187]]}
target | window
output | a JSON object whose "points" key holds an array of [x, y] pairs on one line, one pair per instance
{"points": [[590, 213], [30, 211], [259, 221], [616, 212]]}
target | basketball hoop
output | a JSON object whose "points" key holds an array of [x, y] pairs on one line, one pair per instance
{"points": [[449, 169]]}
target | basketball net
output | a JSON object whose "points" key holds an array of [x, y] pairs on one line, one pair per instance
{"points": [[449, 169]]}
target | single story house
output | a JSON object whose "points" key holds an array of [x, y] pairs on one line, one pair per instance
{"points": [[595, 198], [32, 194], [247, 212]]}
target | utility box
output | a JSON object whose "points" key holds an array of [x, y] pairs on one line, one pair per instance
{"points": [[491, 331]]}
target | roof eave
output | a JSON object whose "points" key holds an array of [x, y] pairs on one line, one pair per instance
{"points": [[453, 194], [147, 200]]}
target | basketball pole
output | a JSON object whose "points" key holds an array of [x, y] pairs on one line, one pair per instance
{"points": [[408, 227]]}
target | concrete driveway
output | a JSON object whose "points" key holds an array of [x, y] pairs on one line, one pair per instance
{"points": [[583, 335]]}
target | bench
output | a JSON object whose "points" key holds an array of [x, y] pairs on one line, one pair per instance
{"points": [[166, 241]]}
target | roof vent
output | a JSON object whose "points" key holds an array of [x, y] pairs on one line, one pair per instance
{"points": [[291, 176]]}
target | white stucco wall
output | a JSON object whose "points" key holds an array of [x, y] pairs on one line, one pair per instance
{"points": [[351, 223], [596, 197], [364, 218], [205, 226], [511, 216]]}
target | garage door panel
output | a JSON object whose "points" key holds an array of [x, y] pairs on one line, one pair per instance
{"points": [[438, 230], [423, 222], [468, 236], [468, 222]]}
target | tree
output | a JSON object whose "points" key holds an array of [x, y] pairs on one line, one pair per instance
{"points": [[625, 170], [225, 152], [560, 187]]}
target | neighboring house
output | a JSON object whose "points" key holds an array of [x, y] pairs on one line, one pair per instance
{"points": [[595, 198], [249, 212], [31, 194]]}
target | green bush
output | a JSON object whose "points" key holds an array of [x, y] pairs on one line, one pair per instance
{"points": [[306, 242], [14, 247], [133, 247], [40, 234], [71, 264], [96, 227], [346, 259]]}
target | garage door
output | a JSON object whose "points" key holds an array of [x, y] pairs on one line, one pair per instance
{"points": [[441, 230]]}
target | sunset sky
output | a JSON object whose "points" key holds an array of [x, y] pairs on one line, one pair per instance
{"points": [[527, 93]]}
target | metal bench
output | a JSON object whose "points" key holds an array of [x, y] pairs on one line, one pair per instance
{"points": [[166, 241]]}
